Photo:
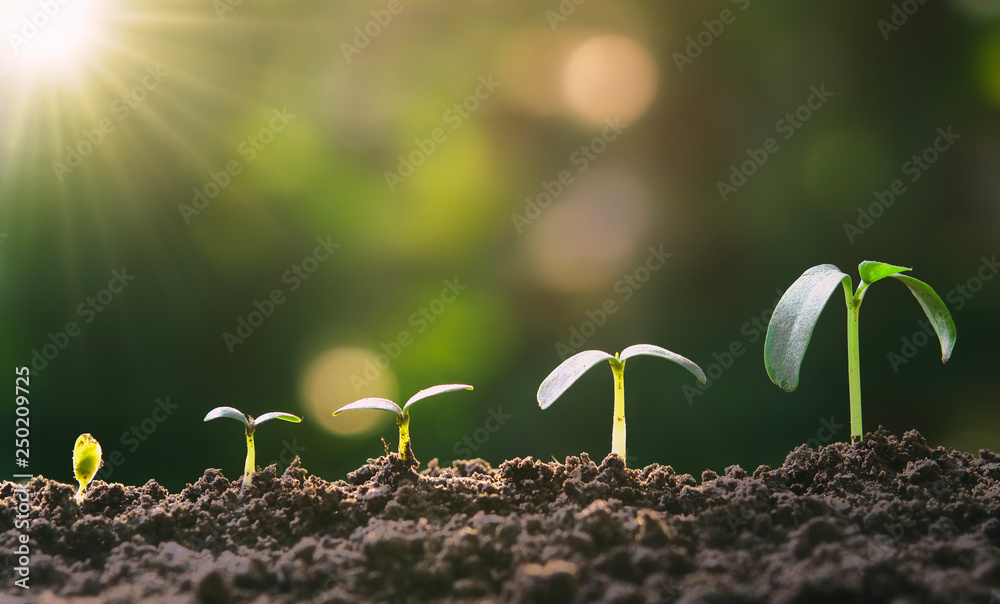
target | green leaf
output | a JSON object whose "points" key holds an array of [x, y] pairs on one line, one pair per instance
{"points": [[569, 371], [227, 412], [656, 351], [288, 417], [872, 271], [793, 320], [937, 313], [371, 403], [434, 391]]}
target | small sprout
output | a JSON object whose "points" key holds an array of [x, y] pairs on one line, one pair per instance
{"points": [[86, 462], [250, 424], [402, 414], [563, 376], [792, 323]]}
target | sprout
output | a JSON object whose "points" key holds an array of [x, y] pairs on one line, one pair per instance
{"points": [[86, 462], [250, 424], [402, 415], [563, 376], [794, 317]]}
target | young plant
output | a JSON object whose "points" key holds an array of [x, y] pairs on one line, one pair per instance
{"points": [[250, 424], [86, 462], [570, 370], [402, 414], [794, 317]]}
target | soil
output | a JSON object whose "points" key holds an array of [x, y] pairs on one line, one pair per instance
{"points": [[887, 520]]}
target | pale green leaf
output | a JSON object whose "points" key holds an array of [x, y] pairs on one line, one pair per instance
{"points": [[229, 412], [569, 371], [288, 417], [434, 391], [656, 351], [793, 320], [937, 313], [371, 403]]}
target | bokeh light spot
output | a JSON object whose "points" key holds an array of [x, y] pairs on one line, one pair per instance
{"points": [[989, 67], [470, 340], [610, 77], [530, 64], [343, 375], [978, 9], [585, 240], [450, 199]]}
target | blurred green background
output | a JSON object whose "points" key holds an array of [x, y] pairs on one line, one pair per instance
{"points": [[427, 141]]}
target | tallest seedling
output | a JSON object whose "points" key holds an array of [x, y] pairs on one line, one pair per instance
{"points": [[793, 320]]}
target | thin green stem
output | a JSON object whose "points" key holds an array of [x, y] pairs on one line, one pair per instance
{"points": [[403, 421], [251, 465], [618, 427], [854, 358]]}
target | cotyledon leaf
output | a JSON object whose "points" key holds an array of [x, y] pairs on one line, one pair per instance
{"points": [[371, 403], [229, 412], [288, 417], [656, 351], [937, 313], [793, 320], [86, 458], [569, 371], [434, 391]]}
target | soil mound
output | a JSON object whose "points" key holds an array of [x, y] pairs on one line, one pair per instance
{"points": [[888, 520]]}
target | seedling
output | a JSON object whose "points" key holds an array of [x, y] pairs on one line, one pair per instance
{"points": [[402, 414], [250, 424], [570, 370], [86, 462], [794, 317]]}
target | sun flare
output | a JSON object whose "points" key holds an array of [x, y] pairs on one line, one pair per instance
{"points": [[51, 37]]}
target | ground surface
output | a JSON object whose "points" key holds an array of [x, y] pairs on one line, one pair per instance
{"points": [[888, 520]]}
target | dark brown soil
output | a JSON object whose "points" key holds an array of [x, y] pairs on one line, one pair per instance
{"points": [[888, 520]]}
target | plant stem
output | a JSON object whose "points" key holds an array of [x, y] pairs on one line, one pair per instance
{"points": [[854, 365], [618, 427], [403, 421], [251, 466]]}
